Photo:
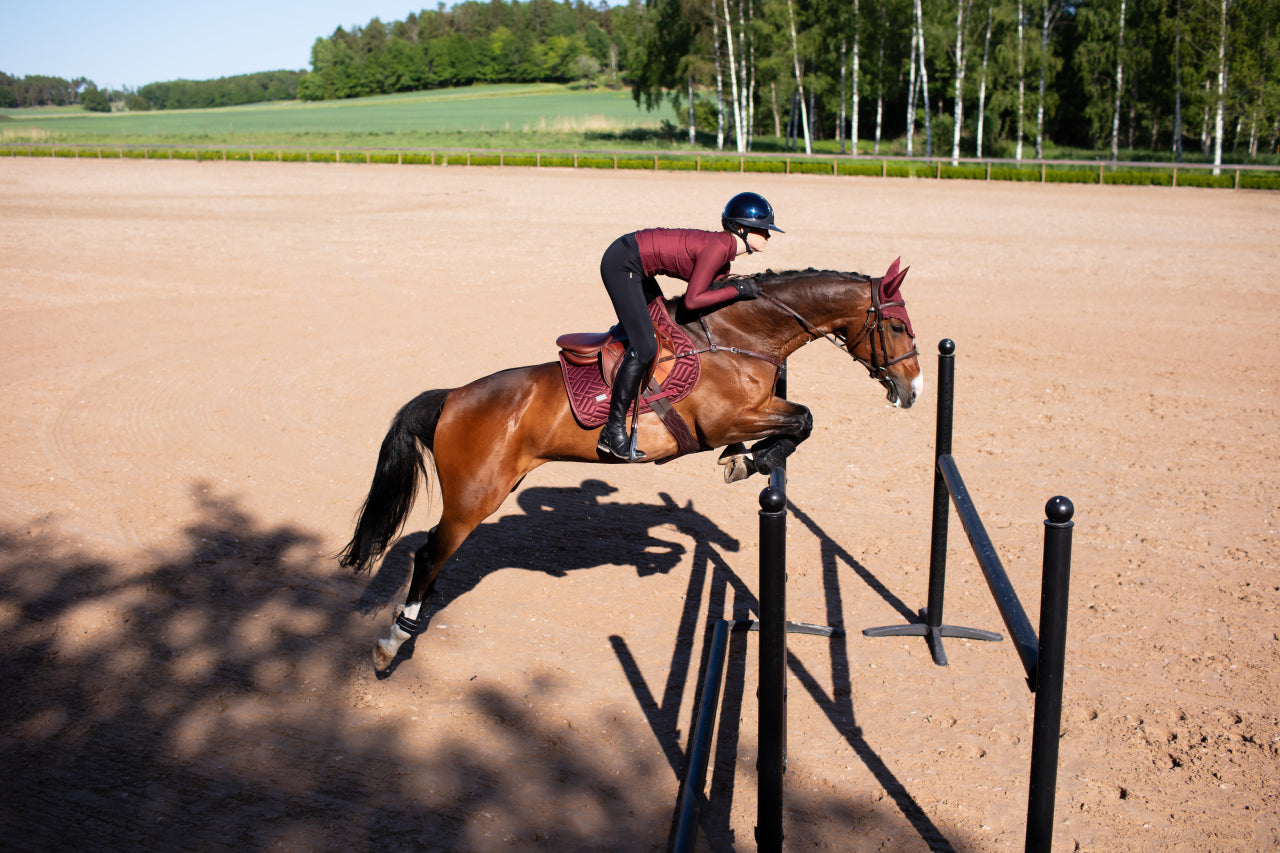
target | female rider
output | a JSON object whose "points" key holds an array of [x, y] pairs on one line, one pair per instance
{"points": [[697, 257]]}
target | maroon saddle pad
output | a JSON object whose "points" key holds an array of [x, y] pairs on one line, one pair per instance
{"points": [[585, 382]]}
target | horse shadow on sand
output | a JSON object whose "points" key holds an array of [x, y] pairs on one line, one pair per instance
{"points": [[561, 530], [567, 529]]}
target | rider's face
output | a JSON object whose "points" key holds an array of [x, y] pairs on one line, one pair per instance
{"points": [[757, 239]]}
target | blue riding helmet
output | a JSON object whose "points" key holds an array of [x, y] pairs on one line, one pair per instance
{"points": [[748, 210]]}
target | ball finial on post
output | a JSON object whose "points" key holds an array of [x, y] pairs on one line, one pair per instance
{"points": [[773, 500], [1059, 510]]}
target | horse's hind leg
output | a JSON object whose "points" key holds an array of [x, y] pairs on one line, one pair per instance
{"points": [[460, 518], [407, 621]]}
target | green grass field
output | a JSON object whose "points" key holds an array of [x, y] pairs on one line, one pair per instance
{"points": [[472, 125], [479, 116]]}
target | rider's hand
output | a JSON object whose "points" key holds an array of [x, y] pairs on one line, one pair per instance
{"points": [[747, 288]]}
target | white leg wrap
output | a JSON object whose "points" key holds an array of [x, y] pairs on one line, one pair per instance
{"points": [[406, 618]]}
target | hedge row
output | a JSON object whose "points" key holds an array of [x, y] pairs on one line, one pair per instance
{"points": [[707, 163]]}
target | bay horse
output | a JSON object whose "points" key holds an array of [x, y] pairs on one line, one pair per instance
{"points": [[484, 437]]}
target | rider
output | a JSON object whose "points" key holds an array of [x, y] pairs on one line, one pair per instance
{"points": [[700, 258]]}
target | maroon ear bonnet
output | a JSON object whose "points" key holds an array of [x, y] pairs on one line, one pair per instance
{"points": [[889, 292]]}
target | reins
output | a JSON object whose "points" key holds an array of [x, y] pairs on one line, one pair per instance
{"points": [[875, 321]]}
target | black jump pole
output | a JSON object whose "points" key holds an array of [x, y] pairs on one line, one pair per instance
{"points": [[1046, 725], [1002, 591], [930, 625], [704, 731], [772, 695], [941, 511], [772, 762]]}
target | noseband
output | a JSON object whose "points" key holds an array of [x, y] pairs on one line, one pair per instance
{"points": [[875, 323]]}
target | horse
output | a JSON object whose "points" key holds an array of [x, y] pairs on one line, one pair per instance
{"points": [[484, 437]]}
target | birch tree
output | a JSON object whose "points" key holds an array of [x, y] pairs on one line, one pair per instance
{"points": [[795, 59], [1051, 10], [1177, 83], [1022, 76], [715, 29], [924, 82], [982, 81], [855, 71], [739, 137], [880, 75], [840, 120], [1222, 92], [911, 92], [962, 6], [1115, 114]]}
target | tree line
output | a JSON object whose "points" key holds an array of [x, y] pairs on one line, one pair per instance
{"points": [[949, 78], [473, 42], [39, 91]]}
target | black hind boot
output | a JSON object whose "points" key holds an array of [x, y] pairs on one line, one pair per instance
{"points": [[614, 439]]}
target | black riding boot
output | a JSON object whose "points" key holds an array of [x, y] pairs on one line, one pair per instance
{"points": [[626, 385]]}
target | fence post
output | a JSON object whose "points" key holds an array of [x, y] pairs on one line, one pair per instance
{"points": [[1047, 723], [772, 762], [941, 498]]}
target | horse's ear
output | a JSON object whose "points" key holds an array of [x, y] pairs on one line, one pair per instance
{"points": [[893, 279]]}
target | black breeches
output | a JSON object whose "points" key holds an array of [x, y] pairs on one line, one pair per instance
{"points": [[631, 292]]}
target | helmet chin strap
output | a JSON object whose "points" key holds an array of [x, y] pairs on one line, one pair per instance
{"points": [[740, 231]]}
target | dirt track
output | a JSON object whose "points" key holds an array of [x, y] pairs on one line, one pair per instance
{"points": [[198, 362]]}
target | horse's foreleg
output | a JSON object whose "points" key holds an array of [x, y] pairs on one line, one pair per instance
{"points": [[777, 428]]}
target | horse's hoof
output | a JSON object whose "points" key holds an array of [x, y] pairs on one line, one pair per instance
{"points": [[737, 463], [382, 656], [737, 468]]}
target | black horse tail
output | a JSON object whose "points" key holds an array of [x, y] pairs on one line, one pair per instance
{"points": [[395, 481]]}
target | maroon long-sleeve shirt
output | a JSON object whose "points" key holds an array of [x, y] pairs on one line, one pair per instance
{"points": [[697, 257]]}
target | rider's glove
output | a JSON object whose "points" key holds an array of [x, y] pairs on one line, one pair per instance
{"points": [[747, 288]]}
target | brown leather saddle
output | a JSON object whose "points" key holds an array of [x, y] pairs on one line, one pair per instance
{"points": [[589, 363]]}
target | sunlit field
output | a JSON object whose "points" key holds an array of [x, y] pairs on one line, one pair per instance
{"points": [[475, 113]]}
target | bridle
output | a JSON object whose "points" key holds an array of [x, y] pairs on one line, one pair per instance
{"points": [[872, 328]]}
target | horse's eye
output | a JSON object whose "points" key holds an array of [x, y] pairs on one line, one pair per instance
{"points": [[898, 327]]}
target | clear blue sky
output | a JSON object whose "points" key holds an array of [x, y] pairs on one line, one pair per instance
{"points": [[147, 41]]}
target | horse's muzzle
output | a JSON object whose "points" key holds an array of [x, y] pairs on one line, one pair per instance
{"points": [[901, 398]]}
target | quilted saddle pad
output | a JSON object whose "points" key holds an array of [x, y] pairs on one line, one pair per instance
{"points": [[589, 395]]}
